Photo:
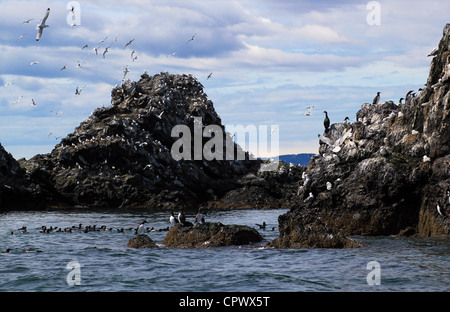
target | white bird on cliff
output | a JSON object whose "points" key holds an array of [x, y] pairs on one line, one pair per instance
{"points": [[438, 208], [41, 25], [434, 52], [309, 199], [383, 151], [329, 186]]}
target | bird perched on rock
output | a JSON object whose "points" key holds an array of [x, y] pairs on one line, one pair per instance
{"points": [[199, 218], [433, 53], [326, 122], [408, 96], [329, 186], [172, 219], [438, 208], [400, 101], [376, 99], [181, 217], [309, 199], [140, 229], [383, 151]]}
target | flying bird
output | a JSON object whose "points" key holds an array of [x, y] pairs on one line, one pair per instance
{"points": [[129, 42], [41, 25], [103, 40], [33, 102], [192, 39], [8, 84], [308, 113], [85, 46], [125, 72], [96, 50], [434, 52], [78, 90], [27, 21], [106, 51], [34, 62], [21, 36], [209, 76], [172, 54], [62, 68]]}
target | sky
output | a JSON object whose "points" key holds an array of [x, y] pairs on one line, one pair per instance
{"points": [[269, 60]]}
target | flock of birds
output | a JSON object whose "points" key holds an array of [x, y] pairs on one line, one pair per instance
{"points": [[42, 24], [139, 230]]}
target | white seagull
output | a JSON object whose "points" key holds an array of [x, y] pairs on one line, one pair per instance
{"points": [[309, 199], [41, 25], [125, 72], [106, 51], [309, 110], [438, 208], [21, 36], [129, 42], [27, 21], [34, 62]]}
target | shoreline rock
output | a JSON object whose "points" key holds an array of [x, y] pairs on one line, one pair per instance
{"points": [[210, 234], [141, 241]]}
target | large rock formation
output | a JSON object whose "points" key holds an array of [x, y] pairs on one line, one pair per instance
{"points": [[387, 172], [122, 155], [17, 189]]}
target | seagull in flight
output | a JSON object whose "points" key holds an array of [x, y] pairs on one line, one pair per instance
{"points": [[27, 21], [129, 42], [64, 67], [172, 54], [192, 39], [33, 102], [78, 90], [21, 36], [41, 25], [125, 72], [106, 51], [18, 100], [85, 46], [96, 50], [209, 76], [34, 62], [8, 83], [103, 40], [309, 110]]}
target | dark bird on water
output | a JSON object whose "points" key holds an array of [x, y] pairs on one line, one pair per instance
{"points": [[262, 226], [326, 122]]}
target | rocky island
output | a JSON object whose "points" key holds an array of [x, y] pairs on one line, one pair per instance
{"points": [[387, 173]]}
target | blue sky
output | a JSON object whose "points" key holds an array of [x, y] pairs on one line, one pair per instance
{"points": [[269, 59]]}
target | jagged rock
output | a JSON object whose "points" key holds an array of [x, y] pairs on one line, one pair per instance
{"points": [[121, 156], [141, 241], [382, 193], [210, 234]]}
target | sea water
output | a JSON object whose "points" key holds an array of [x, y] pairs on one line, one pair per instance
{"points": [[104, 263]]}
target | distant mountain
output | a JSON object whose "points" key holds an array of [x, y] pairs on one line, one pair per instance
{"points": [[299, 159]]}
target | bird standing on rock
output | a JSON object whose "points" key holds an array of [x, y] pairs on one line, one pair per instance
{"points": [[181, 217], [326, 122], [140, 229], [376, 99]]}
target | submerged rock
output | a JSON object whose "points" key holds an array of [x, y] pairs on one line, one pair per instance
{"points": [[210, 234], [141, 241]]}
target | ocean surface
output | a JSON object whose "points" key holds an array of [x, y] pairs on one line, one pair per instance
{"points": [[100, 261]]}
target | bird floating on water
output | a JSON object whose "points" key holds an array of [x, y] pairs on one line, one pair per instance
{"points": [[41, 25], [262, 226]]}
